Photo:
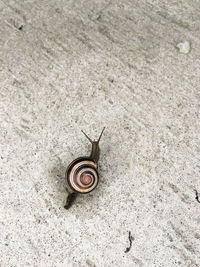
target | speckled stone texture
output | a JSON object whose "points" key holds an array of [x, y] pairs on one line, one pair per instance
{"points": [[72, 65]]}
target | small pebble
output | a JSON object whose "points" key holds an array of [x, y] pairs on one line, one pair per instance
{"points": [[184, 47], [20, 28], [95, 16]]}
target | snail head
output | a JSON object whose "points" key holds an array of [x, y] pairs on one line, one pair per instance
{"points": [[95, 146]]}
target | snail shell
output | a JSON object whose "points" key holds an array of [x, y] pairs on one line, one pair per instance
{"points": [[82, 175]]}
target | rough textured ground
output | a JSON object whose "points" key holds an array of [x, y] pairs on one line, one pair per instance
{"points": [[72, 65]]}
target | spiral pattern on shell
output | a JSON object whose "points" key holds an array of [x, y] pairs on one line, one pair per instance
{"points": [[82, 175]]}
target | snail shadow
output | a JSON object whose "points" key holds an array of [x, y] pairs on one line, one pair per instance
{"points": [[58, 184], [57, 179]]}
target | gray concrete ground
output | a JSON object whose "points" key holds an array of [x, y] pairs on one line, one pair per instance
{"points": [[132, 66]]}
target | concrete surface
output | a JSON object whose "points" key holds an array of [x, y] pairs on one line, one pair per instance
{"points": [[72, 65]]}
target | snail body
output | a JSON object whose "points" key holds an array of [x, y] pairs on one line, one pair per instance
{"points": [[82, 173]]}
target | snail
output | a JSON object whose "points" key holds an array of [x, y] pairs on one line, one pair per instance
{"points": [[82, 173]]}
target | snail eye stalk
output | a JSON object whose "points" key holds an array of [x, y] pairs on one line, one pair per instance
{"points": [[87, 136], [101, 135]]}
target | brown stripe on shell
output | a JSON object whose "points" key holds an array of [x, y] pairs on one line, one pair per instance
{"points": [[77, 171]]}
